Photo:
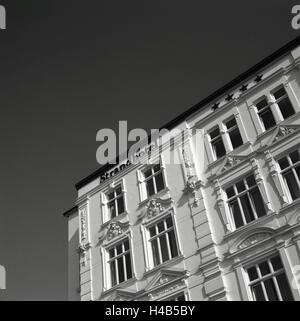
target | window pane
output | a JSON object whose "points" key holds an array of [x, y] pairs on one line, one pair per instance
{"points": [[219, 148], [120, 202], [159, 182], [160, 227], [283, 163], [121, 270], [180, 298], [156, 168], [292, 184], [252, 273], [240, 186], [298, 171], [119, 191], [295, 156], [258, 293], [169, 222], [111, 253], [231, 123], [164, 248], [152, 231], [215, 133], [112, 209], [286, 108], [236, 213], [267, 118], [155, 252], [236, 138], [258, 202], [248, 213], [230, 192], [251, 181], [262, 104], [126, 245], [276, 263], [264, 268], [111, 196], [173, 245], [119, 249], [128, 266], [284, 287], [150, 187], [271, 290], [148, 173], [113, 273], [279, 93]]}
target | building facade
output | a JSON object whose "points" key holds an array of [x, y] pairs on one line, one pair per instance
{"points": [[223, 223]]}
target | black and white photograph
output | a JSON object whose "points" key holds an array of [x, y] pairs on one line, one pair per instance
{"points": [[150, 153]]}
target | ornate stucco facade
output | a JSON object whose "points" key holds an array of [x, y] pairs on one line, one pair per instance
{"points": [[223, 224]]}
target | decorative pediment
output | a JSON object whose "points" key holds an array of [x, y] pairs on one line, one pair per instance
{"points": [[230, 161], [253, 239], [155, 206], [164, 277], [282, 131], [121, 295], [113, 230]]}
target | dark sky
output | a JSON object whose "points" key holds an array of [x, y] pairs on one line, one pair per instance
{"points": [[70, 68]]}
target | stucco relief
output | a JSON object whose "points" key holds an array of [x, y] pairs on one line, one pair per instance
{"points": [[253, 239], [282, 131], [83, 225], [113, 230], [155, 207]]}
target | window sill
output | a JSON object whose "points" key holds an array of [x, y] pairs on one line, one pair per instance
{"points": [[288, 206], [118, 286]]}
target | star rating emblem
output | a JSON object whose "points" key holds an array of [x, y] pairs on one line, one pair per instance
{"points": [[258, 78], [244, 88], [215, 106], [229, 97]]}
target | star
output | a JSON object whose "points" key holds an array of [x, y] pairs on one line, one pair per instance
{"points": [[258, 78], [244, 88], [229, 97], [215, 106]]}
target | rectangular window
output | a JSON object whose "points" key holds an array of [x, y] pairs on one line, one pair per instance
{"points": [[120, 263], [265, 114], [234, 133], [268, 281], [245, 201], [290, 170], [217, 143], [115, 202], [284, 103], [154, 180], [163, 241]]}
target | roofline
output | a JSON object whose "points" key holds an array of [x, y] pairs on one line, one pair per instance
{"points": [[171, 124], [69, 212]]}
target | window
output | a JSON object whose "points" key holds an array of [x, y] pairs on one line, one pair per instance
{"points": [[178, 298], [290, 170], [163, 241], [284, 103], [234, 133], [245, 201], [268, 114], [120, 263], [265, 114], [115, 202], [268, 281], [154, 180], [217, 143]]}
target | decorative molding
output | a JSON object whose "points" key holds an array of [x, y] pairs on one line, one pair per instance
{"points": [[113, 230], [155, 206], [121, 295], [229, 162], [253, 239], [83, 224], [82, 251], [282, 131], [191, 187], [277, 179]]}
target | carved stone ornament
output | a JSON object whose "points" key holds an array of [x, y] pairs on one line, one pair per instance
{"points": [[253, 239], [154, 207], [83, 224], [281, 131], [191, 187], [115, 229], [230, 161]]}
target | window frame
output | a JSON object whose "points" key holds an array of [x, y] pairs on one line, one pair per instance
{"points": [[232, 129], [212, 140], [261, 278]]}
